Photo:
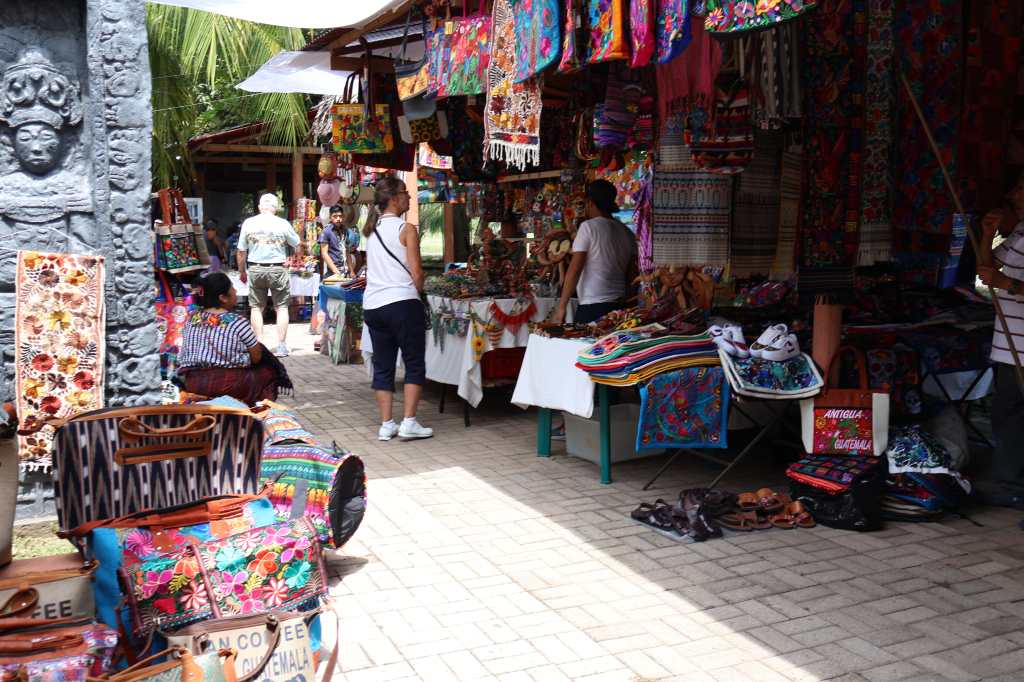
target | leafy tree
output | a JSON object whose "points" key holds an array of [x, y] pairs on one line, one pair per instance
{"points": [[196, 59]]}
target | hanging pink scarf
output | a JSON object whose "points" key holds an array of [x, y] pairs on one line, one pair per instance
{"points": [[688, 81]]}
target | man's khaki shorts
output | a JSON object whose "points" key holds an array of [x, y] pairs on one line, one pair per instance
{"points": [[274, 278]]}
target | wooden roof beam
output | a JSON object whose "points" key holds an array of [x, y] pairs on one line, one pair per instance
{"points": [[257, 148]]}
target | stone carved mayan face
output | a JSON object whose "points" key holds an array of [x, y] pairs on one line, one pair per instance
{"points": [[37, 102]]}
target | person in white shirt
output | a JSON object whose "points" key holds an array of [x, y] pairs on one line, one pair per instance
{"points": [[603, 259], [392, 308], [262, 250], [1003, 269]]}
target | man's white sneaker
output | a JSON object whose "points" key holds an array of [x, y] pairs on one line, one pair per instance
{"points": [[388, 430], [282, 351], [412, 429]]}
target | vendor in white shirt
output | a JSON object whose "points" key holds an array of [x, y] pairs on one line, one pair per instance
{"points": [[1003, 269], [603, 262]]}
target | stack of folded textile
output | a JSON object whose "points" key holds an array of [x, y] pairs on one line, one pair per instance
{"points": [[631, 356]]}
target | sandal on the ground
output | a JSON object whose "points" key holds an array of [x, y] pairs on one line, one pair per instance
{"points": [[744, 521], [747, 502], [770, 501], [801, 517], [657, 515]]}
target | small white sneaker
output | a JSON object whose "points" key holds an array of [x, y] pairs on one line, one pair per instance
{"points": [[412, 429], [783, 349], [282, 351], [768, 339], [388, 430]]}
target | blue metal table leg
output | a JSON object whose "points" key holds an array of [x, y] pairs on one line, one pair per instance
{"points": [[543, 432], [604, 409]]}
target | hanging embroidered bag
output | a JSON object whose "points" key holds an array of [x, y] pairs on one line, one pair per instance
{"points": [[642, 27], [575, 38], [413, 76], [171, 313], [360, 128], [734, 16], [178, 240], [607, 31], [538, 36], [673, 29], [728, 145], [845, 421], [459, 58]]}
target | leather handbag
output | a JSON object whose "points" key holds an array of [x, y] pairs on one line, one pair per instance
{"points": [[51, 648], [274, 645], [305, 478], [843, 421], [61, 584], [181, 245], [179, 665], [112, 462]]}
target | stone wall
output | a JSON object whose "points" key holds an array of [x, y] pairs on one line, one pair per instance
{"points": [[91, 194]]}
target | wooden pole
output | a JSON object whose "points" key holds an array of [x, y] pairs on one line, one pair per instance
{"points": [[296, 176], [970, 233]]}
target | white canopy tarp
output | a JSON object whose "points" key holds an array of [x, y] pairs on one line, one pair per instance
{"points": [[305, 72], [297, 13]]}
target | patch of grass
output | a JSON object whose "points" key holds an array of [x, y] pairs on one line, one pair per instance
{"points": [[39, 539]]}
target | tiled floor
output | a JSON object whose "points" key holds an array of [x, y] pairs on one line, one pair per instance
{"points": [[480, 561]]}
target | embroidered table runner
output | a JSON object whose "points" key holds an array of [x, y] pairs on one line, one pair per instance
{"points": [[60, 343]]}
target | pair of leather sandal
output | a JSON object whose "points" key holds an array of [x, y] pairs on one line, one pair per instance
{"points": [[766, 509]]}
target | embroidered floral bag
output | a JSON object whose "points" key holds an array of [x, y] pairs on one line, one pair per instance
{"points": [[171, 313], [278, 566], [538, 36], [413, 76], [608, 40], [459, 57], [178, 239], [673, 29], [733, 16], [844, 421]]}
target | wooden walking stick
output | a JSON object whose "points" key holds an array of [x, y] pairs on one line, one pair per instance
{"points": [[970, 232]]}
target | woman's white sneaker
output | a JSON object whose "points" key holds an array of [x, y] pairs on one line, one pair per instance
{"points": [[411, 428], [388, 430]]}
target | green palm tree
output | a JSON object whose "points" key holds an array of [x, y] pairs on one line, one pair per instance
{"points": [[196, 58]]}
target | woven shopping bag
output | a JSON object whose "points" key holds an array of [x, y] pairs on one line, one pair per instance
{"points": [[844, 421], [180, 243]]}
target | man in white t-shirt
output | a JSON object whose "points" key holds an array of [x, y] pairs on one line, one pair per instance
{"points": [[262, 250], [603, 259], [1003, 269]]}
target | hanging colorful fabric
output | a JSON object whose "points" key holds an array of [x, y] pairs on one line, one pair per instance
{"points": [[512, 114], [574, 37], [729, 145], [674, 31], [468, 145], [733, 16], [538, 36], [607, 31], [685, 408], [643, 31]]}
